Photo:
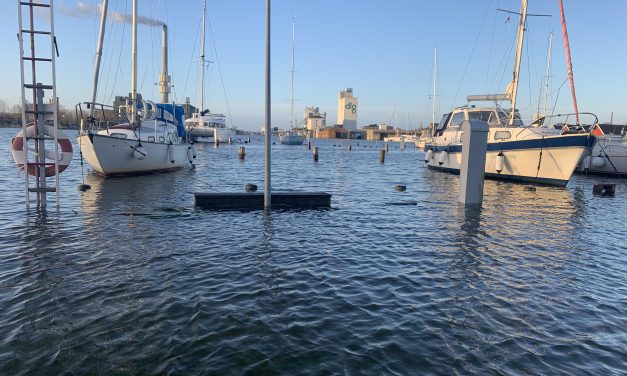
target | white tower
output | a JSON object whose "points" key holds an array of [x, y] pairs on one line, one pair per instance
{"points": [[347, 110]]}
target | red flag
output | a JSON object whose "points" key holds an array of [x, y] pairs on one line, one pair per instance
{"points": [[597, 131]]}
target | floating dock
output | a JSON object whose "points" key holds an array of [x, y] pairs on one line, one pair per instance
{"points": [[254, 200]]}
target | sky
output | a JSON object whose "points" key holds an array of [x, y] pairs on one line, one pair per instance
{"points": [[384, 50]]}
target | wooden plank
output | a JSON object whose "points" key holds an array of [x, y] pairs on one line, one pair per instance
{"points": [[254, 200]]}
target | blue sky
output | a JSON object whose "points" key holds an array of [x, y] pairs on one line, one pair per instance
{"points": [[382, 49]]}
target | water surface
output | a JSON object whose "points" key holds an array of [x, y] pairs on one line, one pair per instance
{"points": [[130, 278]]}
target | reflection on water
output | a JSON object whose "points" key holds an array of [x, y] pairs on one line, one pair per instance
{"points": [[130, 278]]}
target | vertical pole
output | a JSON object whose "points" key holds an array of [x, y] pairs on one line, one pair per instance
{"points": [[35, 103], [55, 103], [24, 138], [267, 193], [134, 67], [103, 22], [41, 147]]}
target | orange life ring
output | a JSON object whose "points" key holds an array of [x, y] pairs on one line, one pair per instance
{"points": [[65, 151]]}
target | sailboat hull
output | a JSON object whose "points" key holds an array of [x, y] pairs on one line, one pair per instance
{"points": [[113, 156], [549, 161]]}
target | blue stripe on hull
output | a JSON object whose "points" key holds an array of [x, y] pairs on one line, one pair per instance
{"points": [[536, 143], [512, 178]]}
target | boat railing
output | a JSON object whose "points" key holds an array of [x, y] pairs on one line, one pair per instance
{"points": [[547, 121], [100, 117]]}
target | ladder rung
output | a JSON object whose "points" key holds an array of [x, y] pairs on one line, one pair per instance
{"points": [[47, 189], [39, 112], [36, 58], [31, 86], [35, 4], [36, 32], [40, 138]]}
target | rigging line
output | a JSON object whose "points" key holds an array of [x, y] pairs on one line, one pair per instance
{"points": [[472, 51], [503, 64], [118, 70], [215, 52], [528, 65], [191, 60], [487, 73], [109, 57]]}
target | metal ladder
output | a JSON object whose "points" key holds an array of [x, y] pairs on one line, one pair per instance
{"points": [[37, 112]]}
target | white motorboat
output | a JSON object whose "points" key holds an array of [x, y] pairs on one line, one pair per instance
{"points": [[211, 127], [289, 138], [153, 139], [292, 137], [608, 156], [537, 154]]}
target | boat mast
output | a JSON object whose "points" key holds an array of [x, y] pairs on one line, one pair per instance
{"points": [[164, 79], [202, 58], [519, 47], [134, 67], [103, 22], [568, 61], [435, 74], [293, 63]]}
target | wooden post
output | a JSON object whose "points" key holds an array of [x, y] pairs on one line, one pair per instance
{"points": [[350, 147], [309, 145], [382, 155], [315, 154], [242, 152]]}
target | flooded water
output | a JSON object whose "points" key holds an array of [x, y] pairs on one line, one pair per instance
{"points": [[130, 278]]}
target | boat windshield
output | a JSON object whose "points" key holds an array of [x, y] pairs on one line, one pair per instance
{"points": [[504, 119]]}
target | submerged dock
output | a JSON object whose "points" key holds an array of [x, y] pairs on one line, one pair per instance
{"points": [[254, 200]]}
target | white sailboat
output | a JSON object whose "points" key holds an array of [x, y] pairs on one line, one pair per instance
{"points": [[291, 137], [205, 124], [152, 140], [608, 156], [536, 154]]}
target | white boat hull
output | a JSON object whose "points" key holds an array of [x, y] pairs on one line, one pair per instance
{"points": [[292, 139], [212, 134], [551, 162], [608, 157], [111, 156]]}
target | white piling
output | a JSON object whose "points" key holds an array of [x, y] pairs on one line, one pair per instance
{"points": [[472, 172]]}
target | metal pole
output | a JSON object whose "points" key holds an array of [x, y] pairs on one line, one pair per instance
{"points": [[267, 186], [24, 138], [164, 80], [103, 23], [134, 67]]}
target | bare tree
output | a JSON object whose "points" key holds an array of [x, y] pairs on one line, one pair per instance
{"points": [[4, 107]]}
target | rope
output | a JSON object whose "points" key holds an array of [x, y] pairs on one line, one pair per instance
{"points": [[539, 160], [215, 51]]}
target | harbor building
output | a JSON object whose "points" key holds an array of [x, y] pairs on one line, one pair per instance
{"points": [[314, 120], [347, 110]]}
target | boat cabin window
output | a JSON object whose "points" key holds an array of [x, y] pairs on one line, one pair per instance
{"points": [[480, 115], [118, 135], [151, 138], [457, 119], [161, 139]]}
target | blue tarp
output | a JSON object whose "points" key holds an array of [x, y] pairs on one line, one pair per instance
{"points": [[177, 111]]}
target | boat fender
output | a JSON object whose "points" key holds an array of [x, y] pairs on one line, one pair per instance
{"points": [[428, 155], [443, 157], [65, 151], [139, 152], [190, 154], [171, 152], [500, 160], [586, 162], [598, 162]]}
